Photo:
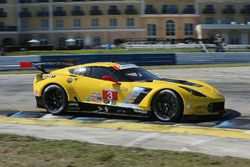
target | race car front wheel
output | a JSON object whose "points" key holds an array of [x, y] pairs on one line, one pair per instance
{"points": [[55, 99], [167, 106]]}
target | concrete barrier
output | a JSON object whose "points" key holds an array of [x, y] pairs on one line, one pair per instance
{"points": [[211, 58]]}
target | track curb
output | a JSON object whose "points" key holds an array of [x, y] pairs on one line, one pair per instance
{"points": [[145, 127]]}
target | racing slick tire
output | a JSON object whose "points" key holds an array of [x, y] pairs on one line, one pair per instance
{"points": [[55, 99], [167, 105]]}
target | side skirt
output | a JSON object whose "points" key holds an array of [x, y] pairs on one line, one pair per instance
{"points": [[108, 110], [100, 109]]}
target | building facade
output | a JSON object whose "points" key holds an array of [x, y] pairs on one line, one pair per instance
{"points": [[97, 22]]}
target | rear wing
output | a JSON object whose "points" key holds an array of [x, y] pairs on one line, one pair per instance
{"points": [[44, 66]]}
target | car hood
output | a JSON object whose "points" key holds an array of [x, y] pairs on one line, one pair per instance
{"points": [[196, 85]]}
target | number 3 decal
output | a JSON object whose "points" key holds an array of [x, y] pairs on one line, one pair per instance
{"points": [[110, 95]]}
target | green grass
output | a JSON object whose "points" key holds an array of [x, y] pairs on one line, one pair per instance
{"points": [[28, 151]]}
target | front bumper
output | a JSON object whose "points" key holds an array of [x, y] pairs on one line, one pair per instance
{"points": [[216, 107], [204, 106], [39, 102]]}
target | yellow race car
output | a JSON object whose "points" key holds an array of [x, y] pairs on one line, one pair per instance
{"points": [[124, 89]]}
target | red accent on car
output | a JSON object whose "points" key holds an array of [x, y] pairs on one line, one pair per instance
{"points": [[110, 95], [25, 64], [116, 68]]}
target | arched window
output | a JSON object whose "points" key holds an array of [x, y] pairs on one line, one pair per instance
{"points": [[170, 28], [8, 41]]}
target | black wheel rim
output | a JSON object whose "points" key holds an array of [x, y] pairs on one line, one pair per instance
{"points": [[54, 99], [167, 107]]}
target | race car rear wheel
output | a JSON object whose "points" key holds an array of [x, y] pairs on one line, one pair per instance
{"points": [[55, 99], [167, 106]]}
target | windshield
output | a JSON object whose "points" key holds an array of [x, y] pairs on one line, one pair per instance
{"points": [[137, 74]]}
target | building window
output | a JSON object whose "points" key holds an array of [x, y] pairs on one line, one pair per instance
{"points": [[43, 12], [95, 10], [113, 10], [80, 42], [245, 10], [59, 23], [97, 41], [189, 29], [77, 8], [44, 9], [170, 28], [209, 20], [112, 22], [234, 39], [95, 22], [130, 10], [59, 8], [149, 9], [44, 41], [189, 9], [209, 9], [130, 22], [151, 28], [76, 11], [229, 20], [45, 24], [58, 11], [24, 24], [229, 9], [170, 9], [247, 19], [77, 23], [61, 41]]}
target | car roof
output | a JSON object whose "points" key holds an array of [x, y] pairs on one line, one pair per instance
{"points": [[102, 64]]}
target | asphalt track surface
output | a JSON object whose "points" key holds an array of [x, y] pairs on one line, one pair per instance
{"points": [[234, 83]]}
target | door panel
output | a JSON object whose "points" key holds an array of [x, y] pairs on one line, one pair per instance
{"points": [[88, 90], [98, 91]]}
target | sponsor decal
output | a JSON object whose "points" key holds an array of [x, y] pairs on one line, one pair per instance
{"points": [[125, 105], [46, 76], [127, 66], [141, 111], [124, 89], [110, 96], [136, 95], [94, 97], [73, 104], [200, 107]]}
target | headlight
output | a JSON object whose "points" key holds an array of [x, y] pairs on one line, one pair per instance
{"points": [[193, 92]]}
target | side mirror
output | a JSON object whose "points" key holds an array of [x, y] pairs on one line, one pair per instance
{"points": [[109, 78]]}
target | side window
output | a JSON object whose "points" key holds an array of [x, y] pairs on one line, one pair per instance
{"points": [[98, 72], [83, 71]]}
